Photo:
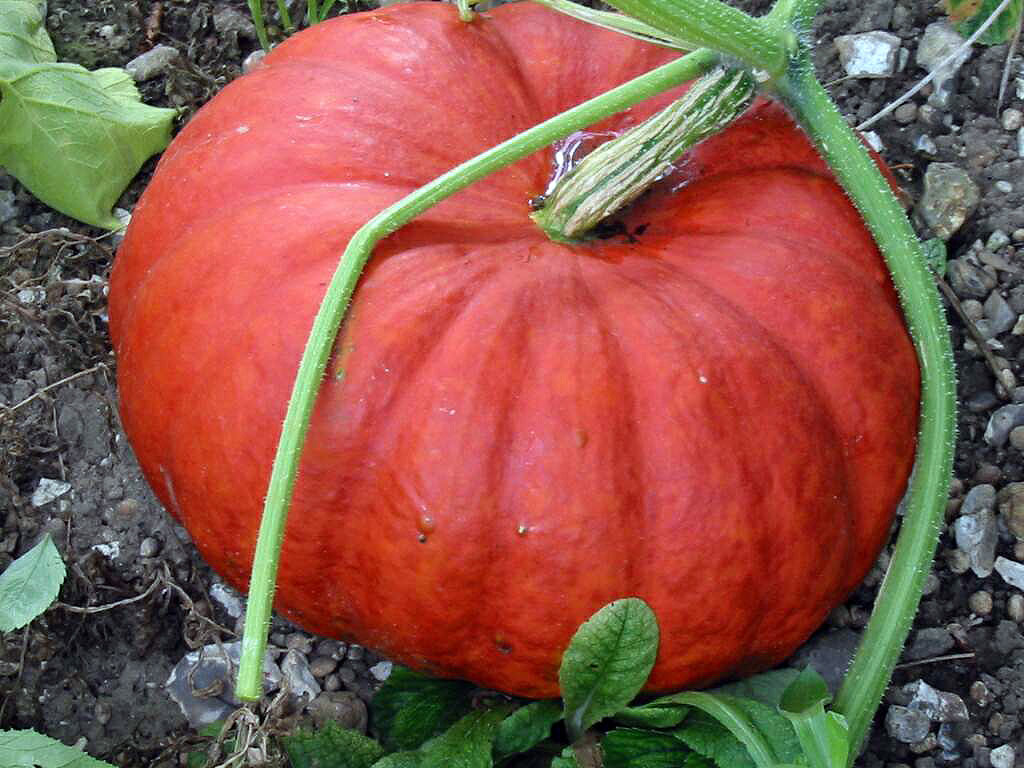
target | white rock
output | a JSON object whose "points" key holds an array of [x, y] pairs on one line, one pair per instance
{"points": [[1002, 757], [874, 140], [297, 676], [228, 599], [939, 42], [977, 536], [48, 490], [381, 670], [869, 54], [1011, 571], [111, 551], [152, 63]]}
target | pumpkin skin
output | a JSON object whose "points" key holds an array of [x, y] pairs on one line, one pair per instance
{"points": [[717, 416]]}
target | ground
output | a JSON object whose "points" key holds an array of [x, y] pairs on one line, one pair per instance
{"points": [[97, 678]]}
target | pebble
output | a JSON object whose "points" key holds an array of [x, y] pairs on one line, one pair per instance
{"points": [[1002, 422], [829, 654], [1011, 571], [907, 725], [1003, 757], [929, 115], [322, 666], [929, 642], [1001, 317], [980, 603], [1004, 186], [231, 20], [153, 63], [332, 683], [1011, 504], [203, 689], [1012, 119], [973, 308], [982, 401], [356, 652], [931, 585], [980, 694], [938, 706], [959, 562], [869, 54], [297, 677], [297, 641], [9, 208], [905, 113], [977, 536], [381, 671], [341, 707], [988, 473], [927, 744], [228, 599], [253, 60], [49, 490], [1015, 608], [926, 144], [1017, 235], [150, 547], [347, 675], [997, 240], [950, 197], [103, 712], [969, 279], [939, 42], [979, 498]]}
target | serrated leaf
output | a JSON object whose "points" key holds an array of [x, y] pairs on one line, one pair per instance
{"points": [[468, 743], [526, 727], [30, 585], [638, 748], [823, 736], [74, 138], [971, 14], [331, 747], [410, 708], [712, 740], [23, 33], [607, 662], [764, 734], [28, 749]]}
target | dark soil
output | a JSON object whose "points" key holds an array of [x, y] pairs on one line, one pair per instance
{"points": [[97, 678]]}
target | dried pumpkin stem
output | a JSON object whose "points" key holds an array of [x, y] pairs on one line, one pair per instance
{"points": [[901, 589], [620, 170], [332, 310]]}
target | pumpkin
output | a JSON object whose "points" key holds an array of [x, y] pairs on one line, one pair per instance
{"points": [[714, 411]]}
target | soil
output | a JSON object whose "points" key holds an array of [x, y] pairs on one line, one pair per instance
{"points": [[97, 678]]}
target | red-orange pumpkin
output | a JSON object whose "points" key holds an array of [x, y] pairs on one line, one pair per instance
{"points": [[717, 417]]}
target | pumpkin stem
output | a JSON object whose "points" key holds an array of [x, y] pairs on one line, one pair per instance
{"points": [[620, 170]]}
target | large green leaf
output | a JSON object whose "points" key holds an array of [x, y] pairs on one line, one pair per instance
{"points": [[28, 749], [76, 138], [467, 744], [971, 14], [607, 662], [638, 748], [332, 747], [30, 585], [410, 708], [526, 727], [22, 33]]}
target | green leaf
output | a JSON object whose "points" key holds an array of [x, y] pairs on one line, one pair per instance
{"points": [[76, 138], [743, 725], [823, 735], [332, 747], [566, 760], [936, 255], [526, 727], [660, 713], [637, 748], [30, 585], [28, 749], [468, 743], [23, 33], [607, 663], [971, 14], [409, 759], [410, 708]]}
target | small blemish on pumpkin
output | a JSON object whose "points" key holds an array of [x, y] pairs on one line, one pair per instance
{"points": [[523, 529], [581, 438], [702, 379], [502, 644], [242, 129], [426, 525], [422, 538]]}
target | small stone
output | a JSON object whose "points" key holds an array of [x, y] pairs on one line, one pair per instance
{"points": [[232, 21], [1015, 608], [997, 241], [228, 599], [103, 712], [332, 683], [980, 694], [355, 652], [869, 54], [1002, 422], [973, 308], [253, 60], [8, 206], [1002, 757], [829, 654], [152, 63], [969, 279], [1003, 186], [929, 115], [950, 197], [297, 641], [341, 707], [297, 677], [1012, 119], [939, 42], [980, 603], [381, 671], [1011, 571], [926, 145], [874, 141], [988, 474], [905, 113], [959, 562], [907, 725], [1011, 506], [928, 643], [1001, 317], [48, 491], [150, 547], [347, 675], [927, 744], [977, 535], [939, 706], [931, 585], [980, 497], [1017, 235], [982, 401], [1018, 328], [322, 666]]}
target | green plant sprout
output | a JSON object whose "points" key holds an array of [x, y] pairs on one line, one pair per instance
{"points": [[776, 49]]}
